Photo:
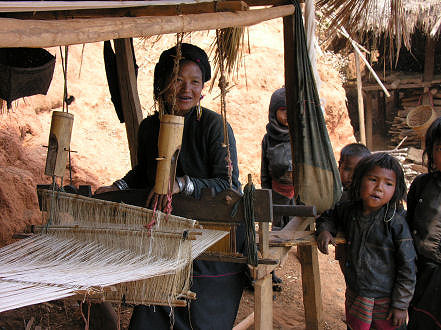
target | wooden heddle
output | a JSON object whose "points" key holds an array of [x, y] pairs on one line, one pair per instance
{"points": [[102, 250]]}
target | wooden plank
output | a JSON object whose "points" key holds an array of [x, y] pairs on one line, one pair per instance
{"points": [[154, 8], [236, 259], [245, 323], [128, 89], [219, 207], [209, 207], [35, 6], [312, 298], [263, 303], [264, 239], [34, 33]]}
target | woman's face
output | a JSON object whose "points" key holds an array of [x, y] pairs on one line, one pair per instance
{"points": [[189, 84]]}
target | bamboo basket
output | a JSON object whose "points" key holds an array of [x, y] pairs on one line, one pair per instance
{"points": [[420, 118]]}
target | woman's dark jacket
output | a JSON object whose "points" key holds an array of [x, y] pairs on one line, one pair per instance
{"points": [[218, 285], [424, 214], [380, 258], [276, 162], [202, 156]]}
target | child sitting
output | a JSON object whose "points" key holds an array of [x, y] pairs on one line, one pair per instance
{"points": [[424, 218], [379, 269], [350, 155]]}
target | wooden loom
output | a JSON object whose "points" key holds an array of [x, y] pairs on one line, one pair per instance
{"points": [[101, 249]]}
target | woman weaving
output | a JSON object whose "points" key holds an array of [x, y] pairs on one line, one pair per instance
{"points": [[202, 163]]}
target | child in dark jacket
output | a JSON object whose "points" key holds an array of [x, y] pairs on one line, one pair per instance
{"points": [[424, 218], [276, 167], [380, 266]]}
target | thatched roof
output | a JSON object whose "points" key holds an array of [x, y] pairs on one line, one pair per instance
{"points": [[397, 19]]}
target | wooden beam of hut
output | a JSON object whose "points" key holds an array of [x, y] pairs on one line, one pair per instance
{"points": [[33, 33]]}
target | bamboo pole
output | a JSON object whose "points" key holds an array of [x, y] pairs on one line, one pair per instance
{"points": [[59, 143], [357, 50], [35, 33]]}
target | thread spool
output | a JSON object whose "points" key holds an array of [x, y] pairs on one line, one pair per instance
{"points": [[169, 145], [59, 143]]}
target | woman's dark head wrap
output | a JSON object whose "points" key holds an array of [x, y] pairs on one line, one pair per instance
{"points": [[275, 130], [164, 67]]}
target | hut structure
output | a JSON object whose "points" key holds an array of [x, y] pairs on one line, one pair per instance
{"points": [[41, 24], [401, 42]]}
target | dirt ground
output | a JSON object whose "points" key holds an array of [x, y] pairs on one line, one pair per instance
{"points": [[101, 154]]}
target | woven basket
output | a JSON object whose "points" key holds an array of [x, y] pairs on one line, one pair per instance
{"points": [[420, 118], [24, 72]]}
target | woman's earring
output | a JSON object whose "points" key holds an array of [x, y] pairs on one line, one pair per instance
{"points": [[199, 110]]}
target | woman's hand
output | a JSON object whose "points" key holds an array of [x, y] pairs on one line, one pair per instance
{"points": [[104, 189], [323, 240], [397, 316], [162, 200]]}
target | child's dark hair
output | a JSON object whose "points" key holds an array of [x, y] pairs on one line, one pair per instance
{"points": [[353, 150], [433, 136], [382, 160]]}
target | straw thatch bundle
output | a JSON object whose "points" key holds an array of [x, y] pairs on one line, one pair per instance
{"points": [[395, 19]]}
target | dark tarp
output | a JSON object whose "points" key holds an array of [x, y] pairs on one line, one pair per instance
{"points": [[316, 177]]}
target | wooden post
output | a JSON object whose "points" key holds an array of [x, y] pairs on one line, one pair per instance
{"points": [[312, 300], [263, 287], [129, 94], [429, 59], [263, 303], [312, 295], [369, 136], [360, 100]]}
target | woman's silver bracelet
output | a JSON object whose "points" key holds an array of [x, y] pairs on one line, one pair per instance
{"points": [[181, 182], [121, 184], [189, 186]]}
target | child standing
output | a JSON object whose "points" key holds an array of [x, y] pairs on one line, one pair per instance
{"points": [[350, 155], [424, 218], [379, 269], [276, 167]]}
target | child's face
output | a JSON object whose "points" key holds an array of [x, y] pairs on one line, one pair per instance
{"points": [[346, 169], [437, 155], [282, 116], [377, 188]]}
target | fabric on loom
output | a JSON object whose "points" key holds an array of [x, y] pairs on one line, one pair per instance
{"points": [[93, 244]]}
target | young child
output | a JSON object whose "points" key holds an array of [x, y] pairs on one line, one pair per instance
{"points": [[276, 167], [350, 155], [424, 218], [379, 269]]}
